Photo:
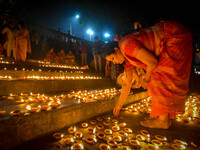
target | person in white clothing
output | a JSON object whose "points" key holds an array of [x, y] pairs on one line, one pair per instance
{"points": [[10, 40]]}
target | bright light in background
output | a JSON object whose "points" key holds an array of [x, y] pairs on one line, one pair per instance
{"points": [[90, 32], [77, 16], [107, 35]]}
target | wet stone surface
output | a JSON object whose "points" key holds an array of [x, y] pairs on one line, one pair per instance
{"points": [[180, 131]]}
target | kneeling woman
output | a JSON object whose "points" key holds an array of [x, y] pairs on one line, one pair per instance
{"points": [[165, 52]]}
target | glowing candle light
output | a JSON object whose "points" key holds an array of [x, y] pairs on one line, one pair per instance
{"points": [[28, 107]]}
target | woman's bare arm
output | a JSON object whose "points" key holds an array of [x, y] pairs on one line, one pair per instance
{"points": [[149, 59], [126, 86]]}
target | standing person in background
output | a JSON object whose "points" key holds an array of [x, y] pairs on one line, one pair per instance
{"points": [[97, 53], [10, 40], [113, 69], [22, 43], [83, 54]]}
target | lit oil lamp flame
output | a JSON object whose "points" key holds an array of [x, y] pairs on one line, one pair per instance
{"points": [[28, 107]]}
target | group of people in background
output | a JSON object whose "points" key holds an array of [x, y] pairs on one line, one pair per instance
{"points": [[61, 58], [15, 41]]}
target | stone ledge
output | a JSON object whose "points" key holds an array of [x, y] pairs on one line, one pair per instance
{"points": [[51, 86], [16, 130]]}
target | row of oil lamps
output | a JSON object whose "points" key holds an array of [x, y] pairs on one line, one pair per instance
{"points": [[61, 71], [47, 64], [192, 109], [107, 133], [49, 102], [49, 78]]}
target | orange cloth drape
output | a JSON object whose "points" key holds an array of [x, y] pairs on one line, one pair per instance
{"points": [[22, 45], [171, 42]]}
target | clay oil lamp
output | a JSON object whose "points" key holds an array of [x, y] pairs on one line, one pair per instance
{"points": [[156, 142], [29, 100], [161, 138], [91, 140], [57, 136], [101, 135], [93, 121], [99, 126], [122, 125], [104, 147], [78, 146], [107, 123], [112, 143], [117, 138], [124, 109], [134, 143], [178, 144], [151, 147], [123, 134], [24, 95], [20, 101], [144, 132], [128, 130], [91, 130], [54, 105], [84, 125], [106, 117], [78, 135], [115, 121], [13, 95], [72, 130], [69, 141], [16, 113], [32, 110], [115, 128], [140, 137], [99, 119], [44, 107], [108, 131]]}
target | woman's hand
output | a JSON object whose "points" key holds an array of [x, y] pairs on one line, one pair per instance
{"points": [[145, 83], [116, 110]]}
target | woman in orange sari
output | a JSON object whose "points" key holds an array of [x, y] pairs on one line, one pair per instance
{"points": [[165, 52], [22, 43]]}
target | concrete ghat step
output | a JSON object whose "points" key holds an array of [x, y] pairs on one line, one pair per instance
{"points": [[17, 73], [37, 66], [51, 86], [16, 130]]}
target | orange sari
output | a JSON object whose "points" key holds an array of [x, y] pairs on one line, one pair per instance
{"points": [[22, 45], [171, 42]]}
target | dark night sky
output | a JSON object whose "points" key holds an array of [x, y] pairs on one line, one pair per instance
{"points": [[110, 15]]}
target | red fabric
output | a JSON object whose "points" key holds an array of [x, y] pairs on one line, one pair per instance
{"points": [[169, 81]]}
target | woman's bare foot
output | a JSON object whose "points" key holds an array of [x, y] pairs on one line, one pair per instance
{"points": [[163, 122], [155, 123]]}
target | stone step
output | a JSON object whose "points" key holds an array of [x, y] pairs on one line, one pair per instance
{"points": [[37, 65], [21, 73], [51, 86], [17, 130]]}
